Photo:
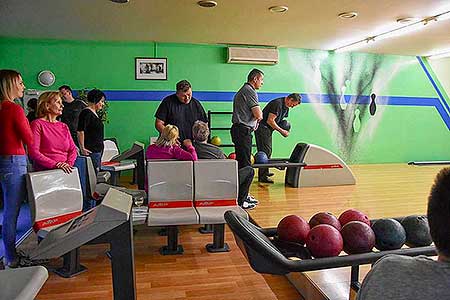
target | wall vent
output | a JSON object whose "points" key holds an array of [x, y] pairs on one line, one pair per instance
{"points": [[241, 55]]}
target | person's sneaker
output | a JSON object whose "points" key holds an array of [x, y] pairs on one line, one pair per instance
{"points": [[251, 199], [265, 180], [248, 205]]}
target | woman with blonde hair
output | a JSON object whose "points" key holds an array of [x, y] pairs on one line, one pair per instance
{"points": [[53, 146], [166, 146], [14, 132]]}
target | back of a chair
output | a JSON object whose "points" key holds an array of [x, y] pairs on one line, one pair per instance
{"points": [[55, 197], [216, 189], [110, 150], [170, 193], [216, 182]]}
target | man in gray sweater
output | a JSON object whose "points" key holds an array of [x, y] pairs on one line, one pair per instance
{"points": [[402, 277]]}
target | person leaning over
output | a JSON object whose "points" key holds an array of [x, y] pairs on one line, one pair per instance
{"points": [[14, 132], [397, 277], [180, 109], [246, 116], [273, 117]]}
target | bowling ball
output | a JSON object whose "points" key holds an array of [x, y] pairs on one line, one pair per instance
{"points": [[293, 228], [324, 218], [261, 158], [358, 237], [285, 125], [324, 241], [215, 140], [389, 234], [353, 215], [252, 159], [417, 231], [232, 155]]}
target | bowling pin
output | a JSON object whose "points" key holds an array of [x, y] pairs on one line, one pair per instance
{"points": [[373, 105], [357, 121]]}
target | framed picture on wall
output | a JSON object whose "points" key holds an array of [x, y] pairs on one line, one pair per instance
{"points": [[151, 68]]}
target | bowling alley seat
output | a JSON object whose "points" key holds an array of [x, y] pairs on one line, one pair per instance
{"points": [[55, 197], [170, 199], [216, 191], [111, 151], [98, 191], [22, 283]]}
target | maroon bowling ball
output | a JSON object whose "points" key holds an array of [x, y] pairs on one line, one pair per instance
{"points": [[293, 228], [353, 215], [324, 241], [324, 218], [232, 155], [358, 237]]}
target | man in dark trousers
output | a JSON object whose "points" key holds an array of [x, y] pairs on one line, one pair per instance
{"points": [[200, 133], [246, 116], [71, 111], [180, 109], [273, 119]]}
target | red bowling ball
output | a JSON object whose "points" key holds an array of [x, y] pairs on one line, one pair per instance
{"points": [[358, 237], [324, 241], [232, 155], [293, 228], [324, 218], [353, 215]]}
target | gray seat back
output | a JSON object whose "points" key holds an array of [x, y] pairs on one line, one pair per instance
{"points": [[55, 197]]}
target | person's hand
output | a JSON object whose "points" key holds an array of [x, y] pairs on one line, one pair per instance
{"points": [[187, 143], [65, 167], [85, 151], [284, 133]]}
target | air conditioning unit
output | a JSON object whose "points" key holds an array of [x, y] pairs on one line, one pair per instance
{"points": [[241, 55]]}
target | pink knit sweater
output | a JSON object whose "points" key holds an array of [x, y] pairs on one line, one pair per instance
{"points": [[52, 144]]}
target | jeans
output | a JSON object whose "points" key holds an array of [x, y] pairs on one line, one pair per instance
{"points": [[13, 185], [96, 160]]}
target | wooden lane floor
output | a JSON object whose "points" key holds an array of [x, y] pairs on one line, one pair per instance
{"points": [[385, 190], [195, 275]]}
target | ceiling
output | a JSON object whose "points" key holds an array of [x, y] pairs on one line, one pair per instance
{"points": [[307, 24]]}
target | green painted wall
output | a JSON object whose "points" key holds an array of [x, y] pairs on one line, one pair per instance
{"points": [[394, 134]]}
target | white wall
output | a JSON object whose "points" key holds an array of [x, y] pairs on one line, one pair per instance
{"points": [[441, 68]]}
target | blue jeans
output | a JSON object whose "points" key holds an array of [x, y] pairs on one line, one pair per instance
{"points": [[96, 160], [12, 180]]}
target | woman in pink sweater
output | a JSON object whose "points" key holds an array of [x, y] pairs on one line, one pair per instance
{"points": [[166, 146], [53, 146]]}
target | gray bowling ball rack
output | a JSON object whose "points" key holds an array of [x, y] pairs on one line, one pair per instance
{"points": [[109, 223], [268, 255]]}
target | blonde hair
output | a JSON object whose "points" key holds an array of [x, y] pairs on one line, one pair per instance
{"points": [[168, 136], [8, 81], [44, 99]]}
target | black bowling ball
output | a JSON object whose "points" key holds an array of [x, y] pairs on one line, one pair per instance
{"points": [[285, 125], [417, 231], [389, 234]]}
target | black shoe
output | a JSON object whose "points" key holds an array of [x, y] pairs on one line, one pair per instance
{"points": [[270, 174], [265, 180]]}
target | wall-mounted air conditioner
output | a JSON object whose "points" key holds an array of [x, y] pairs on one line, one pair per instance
{"points": [[241, 55]]}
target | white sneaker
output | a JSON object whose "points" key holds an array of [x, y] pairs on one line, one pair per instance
{"points": [[252, 199], [248, 205]]}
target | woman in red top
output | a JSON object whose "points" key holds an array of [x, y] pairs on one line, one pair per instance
{"points": [[53, 146], [14, 132]]}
